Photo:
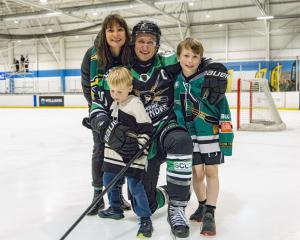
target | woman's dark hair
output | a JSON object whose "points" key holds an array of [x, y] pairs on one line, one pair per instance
{"points": [[103, 51]]}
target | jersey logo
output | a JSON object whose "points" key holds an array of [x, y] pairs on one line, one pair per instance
{"points": [[144, 77], [225, 116], [163, 74], [153, 95], [216, 129], [109, 130], [226, 127], [183, 166], [216, 74], [155, 109]]}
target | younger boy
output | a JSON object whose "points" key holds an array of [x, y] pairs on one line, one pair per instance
{"points": [[209, 126], [129, 111]]}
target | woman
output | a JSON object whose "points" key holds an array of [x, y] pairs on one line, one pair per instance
{"points": [[111, 48]]}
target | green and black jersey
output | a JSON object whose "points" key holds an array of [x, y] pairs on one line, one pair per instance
{"points": [[209, 125], [155, 88]]}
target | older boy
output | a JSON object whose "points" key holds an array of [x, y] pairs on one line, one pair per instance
{"points": [[208, 125]]}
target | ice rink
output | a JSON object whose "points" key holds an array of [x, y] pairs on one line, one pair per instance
{"points": [[45, 182]]}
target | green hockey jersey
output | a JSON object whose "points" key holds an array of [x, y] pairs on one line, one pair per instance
{"points": [[154, 88], [209, 126]]}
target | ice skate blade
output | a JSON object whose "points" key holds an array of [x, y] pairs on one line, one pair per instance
{"points": [[179, 238]]}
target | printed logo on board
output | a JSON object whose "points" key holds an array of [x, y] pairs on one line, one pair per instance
{"points": [[51, 101]]}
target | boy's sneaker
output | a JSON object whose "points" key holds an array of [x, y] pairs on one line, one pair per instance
{"points": [[197, 216], [110, 213], [178, 222], [209, 225], [99, 206], [146, 228]]}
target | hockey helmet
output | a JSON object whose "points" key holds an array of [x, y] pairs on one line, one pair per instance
{"points": [[145, 26]]}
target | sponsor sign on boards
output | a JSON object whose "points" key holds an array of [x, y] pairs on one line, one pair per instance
{"points": [[51, 101]]}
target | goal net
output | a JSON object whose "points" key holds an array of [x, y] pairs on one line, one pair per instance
{"points": [[256, 110]]}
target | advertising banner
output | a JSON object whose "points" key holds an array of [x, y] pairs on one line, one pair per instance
{"points": [[2, 76], [51, 101]]}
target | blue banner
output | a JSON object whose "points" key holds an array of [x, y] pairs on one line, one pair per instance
{"points": [[2, 76]]}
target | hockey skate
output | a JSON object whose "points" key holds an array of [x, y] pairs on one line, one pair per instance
{"points": [[97, 207], [197, 216], [208, 226], [178, 222], [146, 228], [110, 213]]}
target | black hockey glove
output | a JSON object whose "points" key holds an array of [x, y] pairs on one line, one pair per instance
{"points": [[215, 83], [86, 122], [99, 123], [122, 140]]}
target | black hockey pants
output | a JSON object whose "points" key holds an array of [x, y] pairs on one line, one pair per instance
{"points": [[176, 150]]}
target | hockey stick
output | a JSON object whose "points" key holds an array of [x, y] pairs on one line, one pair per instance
{"points": [[119, 175]]}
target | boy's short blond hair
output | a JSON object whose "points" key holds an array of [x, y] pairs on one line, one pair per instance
{"points": [[119, 77], [190, 43]]}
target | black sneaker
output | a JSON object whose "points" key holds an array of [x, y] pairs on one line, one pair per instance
{"points": [[146, 228], [110, 213], [197, 216], [209, 225], [178, 222], [97, 207]]}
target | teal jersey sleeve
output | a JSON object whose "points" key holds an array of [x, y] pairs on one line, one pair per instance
{"points": [[225, 128]]}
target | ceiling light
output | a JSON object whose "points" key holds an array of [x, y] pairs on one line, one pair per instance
{"points": [[191, 4], [16, 21], [77, 37], [51, 14], [43, 1], [220, 25], [207, 16], [265, 17], [50, 30]]}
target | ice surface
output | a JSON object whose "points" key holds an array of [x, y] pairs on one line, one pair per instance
{"points": [[45, 182]]}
